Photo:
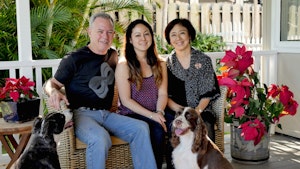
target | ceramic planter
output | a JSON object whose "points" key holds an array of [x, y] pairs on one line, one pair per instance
{"points": [[19, 112]]}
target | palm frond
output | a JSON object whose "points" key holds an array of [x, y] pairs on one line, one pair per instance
{"points": [[130, 5]]}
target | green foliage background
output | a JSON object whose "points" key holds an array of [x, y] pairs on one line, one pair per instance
{"points": [[202, 42], [59, 26]]}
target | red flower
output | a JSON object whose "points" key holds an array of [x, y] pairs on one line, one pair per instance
{"points": [[238, 61], [291, 107], [285, 97], [273, 90], [253, 130], [16, 88]]}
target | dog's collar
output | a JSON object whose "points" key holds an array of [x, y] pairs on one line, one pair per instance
{"points": [[42, 128]]}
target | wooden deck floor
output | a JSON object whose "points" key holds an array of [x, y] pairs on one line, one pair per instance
{"points": [[285, 153]]}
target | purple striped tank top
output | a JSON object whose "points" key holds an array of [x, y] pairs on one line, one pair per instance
{"points": [[147, 96]]}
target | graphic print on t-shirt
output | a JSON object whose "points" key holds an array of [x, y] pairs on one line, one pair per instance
{"points": [[99, 84]]}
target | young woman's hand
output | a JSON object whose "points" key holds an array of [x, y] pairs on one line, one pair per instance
{"points": [[159, 118]]}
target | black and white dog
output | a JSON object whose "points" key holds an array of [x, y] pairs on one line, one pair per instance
{"points": [[41, 152]]}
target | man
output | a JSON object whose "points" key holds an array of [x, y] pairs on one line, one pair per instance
{"points": [[88, 77]]}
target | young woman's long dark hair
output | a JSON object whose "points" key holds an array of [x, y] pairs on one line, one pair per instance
{"points": [[135, 74]]}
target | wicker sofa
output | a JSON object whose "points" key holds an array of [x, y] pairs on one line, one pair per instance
{"points": [[72, 151]]}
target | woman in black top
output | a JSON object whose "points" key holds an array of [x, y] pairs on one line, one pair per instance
{"points": [[191, 78]]}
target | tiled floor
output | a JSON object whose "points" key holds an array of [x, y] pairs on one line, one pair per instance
{"points": [[285, 153]]}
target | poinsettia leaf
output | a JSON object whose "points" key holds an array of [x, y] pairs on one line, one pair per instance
{"points": [[227, 82], [285, 95], [291, 108], [239, 50], [248, 132], [34, 93], [228, 119], [248, 55], [244, 63], [229, 56], [233, 73], [231, 64], [239, 111], [14, 95]]}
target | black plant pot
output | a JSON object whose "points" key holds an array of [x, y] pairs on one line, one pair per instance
{"points": [[20, 112]]}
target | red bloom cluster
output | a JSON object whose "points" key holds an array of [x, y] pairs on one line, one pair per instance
{"points": [[235, 65], [253, 106], [285, 97], [17, 88]]}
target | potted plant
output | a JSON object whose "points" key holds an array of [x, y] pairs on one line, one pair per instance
{"points": [[251, 108], [18, 101]]}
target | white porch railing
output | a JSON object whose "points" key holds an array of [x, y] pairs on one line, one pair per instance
{"points": [[265, 64]]}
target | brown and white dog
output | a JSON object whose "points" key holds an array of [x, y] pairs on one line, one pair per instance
{"points": [[192, 147]]}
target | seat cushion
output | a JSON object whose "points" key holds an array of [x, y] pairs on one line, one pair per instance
{"points": [[115, 141]]}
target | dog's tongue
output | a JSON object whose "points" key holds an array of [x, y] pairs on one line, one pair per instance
{"points": [[68, 125], [178, 132]]}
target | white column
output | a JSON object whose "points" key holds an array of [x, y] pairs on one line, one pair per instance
{"points": [[24, 35]]}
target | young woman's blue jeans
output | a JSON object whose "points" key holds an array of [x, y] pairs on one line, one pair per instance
{"points": [[157, 135], [93, 127]]}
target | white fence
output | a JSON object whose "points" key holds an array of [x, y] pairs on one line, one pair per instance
{"points": [[236, 23], [265, 64]]}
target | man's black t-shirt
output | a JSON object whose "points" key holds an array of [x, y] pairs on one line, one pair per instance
{"points": [[88, 79]]}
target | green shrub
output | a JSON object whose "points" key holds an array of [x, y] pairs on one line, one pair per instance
{"points": [[208, 43], [162, 46], [202, 42]]}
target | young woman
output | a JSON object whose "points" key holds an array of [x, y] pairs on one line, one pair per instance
{"points": [[141, 79]]}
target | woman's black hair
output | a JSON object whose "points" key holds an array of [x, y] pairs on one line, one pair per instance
{"points": [[185, 23]]}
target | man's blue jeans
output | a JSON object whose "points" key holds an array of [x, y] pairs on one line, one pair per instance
{"points": [[93, 127]]}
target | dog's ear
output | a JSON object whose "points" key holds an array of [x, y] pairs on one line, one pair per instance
{"points": [[174, 139], [200, 140], [179, 112], [59, 123], [192, 117], [37, 125]]}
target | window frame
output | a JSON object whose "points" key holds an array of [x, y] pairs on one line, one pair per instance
{"points": [[277, 44]]}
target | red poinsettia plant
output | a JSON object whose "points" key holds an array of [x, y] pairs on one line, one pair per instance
{"points": [[17, 90], [253, 106]]}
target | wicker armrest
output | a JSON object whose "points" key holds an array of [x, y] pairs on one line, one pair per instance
{"points": [[218, 108]]}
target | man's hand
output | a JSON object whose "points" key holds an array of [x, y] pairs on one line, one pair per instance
{"points": [[56, 97]]}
